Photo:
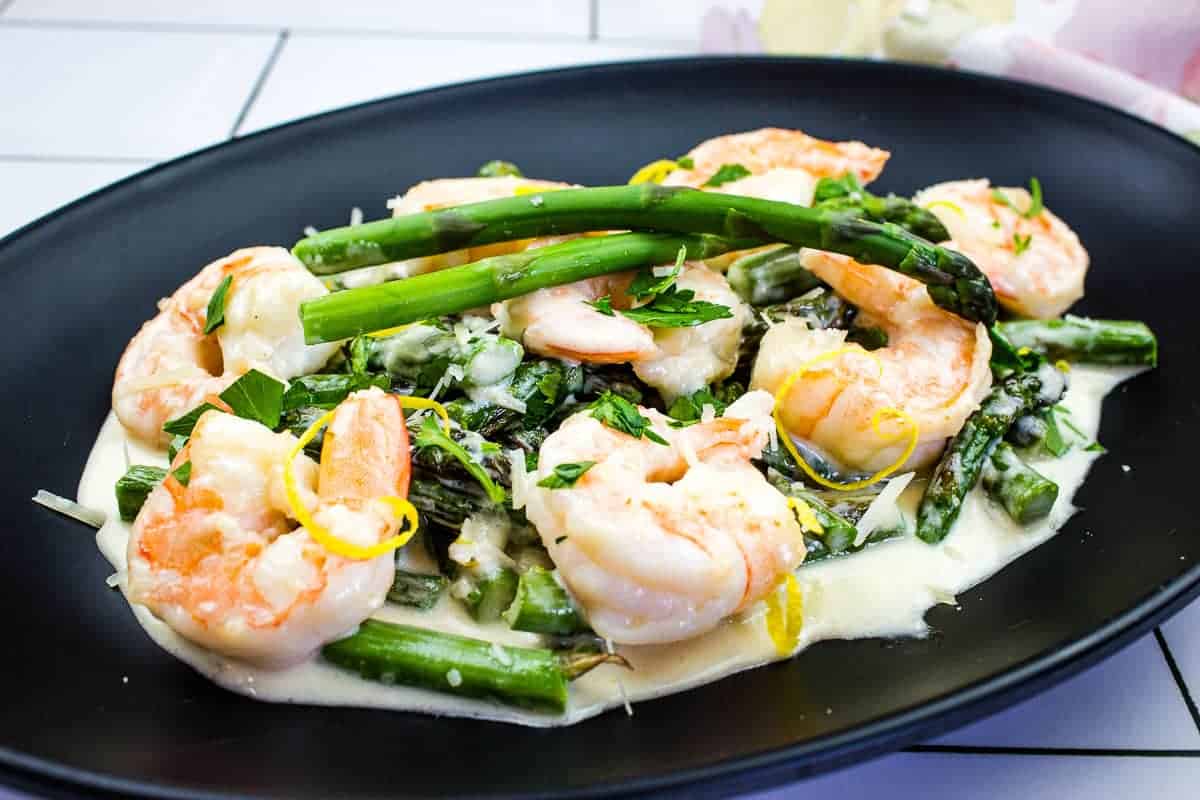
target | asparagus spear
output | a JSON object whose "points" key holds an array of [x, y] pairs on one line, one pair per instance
{"points": [[542, 606], [958, 471], [134, 487], [421, 355], [354, 311], [819, 308], [521, 676], [1090, 341], [1027, 430], [847, 194], [416, 590], [771, 276], [493, 593], [1026, 494], [953, 281]]}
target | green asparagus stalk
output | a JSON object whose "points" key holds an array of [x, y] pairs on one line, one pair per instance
{"points": [[771, 276], [492, 595], [1028, 430], [541, 605], [961, 463], [819, 308], [446, 501], [344, 314], [953, 281], [1026, 494], [1089, 341], [416, 589], [847, 194], [134, 487], [527, 677], [420, 355]]}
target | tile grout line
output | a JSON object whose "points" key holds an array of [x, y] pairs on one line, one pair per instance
{"points": [[260, 81], [1178, 676], [17, 158], [1093, 752], [593, 20], [214, 28]]}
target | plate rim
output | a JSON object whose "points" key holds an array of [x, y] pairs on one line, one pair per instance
{"points": [[789, 762]]}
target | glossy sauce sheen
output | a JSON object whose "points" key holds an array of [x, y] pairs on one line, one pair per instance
{"points": [[882, 591]]}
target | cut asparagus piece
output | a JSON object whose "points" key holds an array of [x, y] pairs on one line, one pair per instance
{"points": [[492, 595], [953, 281], [542, 606], [1026, 494], [410, 656], [134, 487], [771, 276], [1088, 341], [344, 314], [958, 471], [416, 590]]}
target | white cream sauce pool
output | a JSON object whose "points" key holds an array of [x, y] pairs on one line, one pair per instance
{"points": [[882, 591]]}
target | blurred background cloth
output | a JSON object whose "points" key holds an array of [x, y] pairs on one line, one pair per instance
{"points": [[1142, 57]]}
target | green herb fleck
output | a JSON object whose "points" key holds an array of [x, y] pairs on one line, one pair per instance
{"points": [[726, 174], [645, 284], [677, 308], [431, 434], [621, 415], [1035, 200], [560, 540], [214, 317], [183, 473], [256, 396], [603, 305], [685, 162], [1021, 243], [497, 168], [566, 475], [182, 425]]}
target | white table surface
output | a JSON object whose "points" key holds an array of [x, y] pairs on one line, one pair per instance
{"points": [[94, 90]]}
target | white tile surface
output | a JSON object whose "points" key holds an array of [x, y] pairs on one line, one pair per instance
{"points": [[118, 93], [1182, 633], [32, 189], [526, 17], [669, 20], [316, 73], [937, 776], [1128, 701]]}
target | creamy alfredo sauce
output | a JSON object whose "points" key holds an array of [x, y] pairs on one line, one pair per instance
{"points": [[882, 591]]}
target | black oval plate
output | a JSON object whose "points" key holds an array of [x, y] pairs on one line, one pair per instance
{"points": [[79, 282]]}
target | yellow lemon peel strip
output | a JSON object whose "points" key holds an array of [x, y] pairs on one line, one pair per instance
{"points": [[785, 616], [654, 172], [383, 334], [323, 536], [529, 188], [947, 204], [876, 419], [805, 516], [423, 403]]}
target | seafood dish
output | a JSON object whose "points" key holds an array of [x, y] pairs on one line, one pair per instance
{"points": [[527, 450]]}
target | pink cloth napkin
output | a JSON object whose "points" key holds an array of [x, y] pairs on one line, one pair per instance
{"points": [[1142, 57]]}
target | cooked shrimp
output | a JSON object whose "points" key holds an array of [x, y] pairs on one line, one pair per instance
{"points": [[1036, 266], [688, 359], [171, 365], [218, 560], [660, 543], [784, 164], [558, 322], [934, 370], [444, 192]]}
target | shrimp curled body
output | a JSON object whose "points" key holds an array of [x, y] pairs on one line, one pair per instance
{"points": [[934, 370], [661, 542], [1036, 264], [171, 366], [221, 561]]}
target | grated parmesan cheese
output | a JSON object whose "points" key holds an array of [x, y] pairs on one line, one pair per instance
{"points": [[884, 510], [69, 508]]}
